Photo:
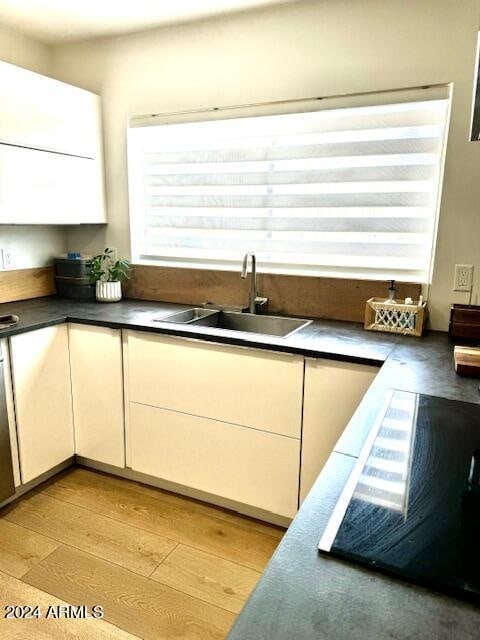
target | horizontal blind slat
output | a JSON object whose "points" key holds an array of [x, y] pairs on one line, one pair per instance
{"points": [[274, 177], [314, 200], [388, 225], [330, 150], [333, 259], [194, 144], [299, 188], [239, 235], [152, 212]]}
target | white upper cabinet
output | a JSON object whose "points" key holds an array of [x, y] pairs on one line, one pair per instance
{"points": [[38, 187], [51, 153], [39, 112]]}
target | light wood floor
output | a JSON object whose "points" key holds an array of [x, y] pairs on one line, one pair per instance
{"points": [[162, 566]]}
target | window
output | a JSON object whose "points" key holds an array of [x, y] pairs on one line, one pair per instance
{"points": [[348, 192]]}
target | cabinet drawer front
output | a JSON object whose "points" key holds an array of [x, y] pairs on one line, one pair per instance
{"points": [[247, 387], [249, 466]]}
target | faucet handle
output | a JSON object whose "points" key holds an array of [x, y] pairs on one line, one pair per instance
{"points": [[261, 303]]}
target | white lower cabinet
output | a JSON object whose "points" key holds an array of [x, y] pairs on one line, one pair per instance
{"points": [[233, 384], [332, 392], [4, 346], [248, 426], [248, 466], [43, 399], [97, 387]]}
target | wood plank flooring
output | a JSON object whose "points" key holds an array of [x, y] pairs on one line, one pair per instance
{"points": [[162, 566]]}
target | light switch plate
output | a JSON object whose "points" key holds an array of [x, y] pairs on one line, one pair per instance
{"points": [[463, 280]]}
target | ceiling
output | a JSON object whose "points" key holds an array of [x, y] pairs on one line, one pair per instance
{"points": [[54, 21]]}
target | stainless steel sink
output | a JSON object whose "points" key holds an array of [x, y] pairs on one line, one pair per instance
{"points": [[188, 316], [252, 323], [235, 321]]}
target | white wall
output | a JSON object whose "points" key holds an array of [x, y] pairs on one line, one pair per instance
{"points": [[31, 246], [311, 48]]}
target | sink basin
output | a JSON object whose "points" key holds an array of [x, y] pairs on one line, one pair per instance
{"points": [[188, 316], [252, 323]]}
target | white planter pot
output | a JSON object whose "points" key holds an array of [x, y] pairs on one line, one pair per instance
{"points": [[109, 291]]}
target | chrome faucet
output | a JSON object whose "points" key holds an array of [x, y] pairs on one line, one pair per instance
{"points": [[253, 298]]}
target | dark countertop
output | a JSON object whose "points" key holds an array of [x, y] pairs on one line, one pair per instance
{"points": [[323, 338], [303, 595]]}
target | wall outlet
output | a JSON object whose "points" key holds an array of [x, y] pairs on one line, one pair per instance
{"points": [[7, 259], [463, 277]]}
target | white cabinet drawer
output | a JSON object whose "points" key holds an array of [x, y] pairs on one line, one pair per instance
{"points": [[242, 386], [245, 465]]}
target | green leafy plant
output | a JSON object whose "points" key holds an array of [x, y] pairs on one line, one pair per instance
{"points": [[104, 267]]}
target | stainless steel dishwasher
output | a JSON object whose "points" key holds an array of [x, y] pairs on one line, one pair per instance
{"points": [[7, 485]]}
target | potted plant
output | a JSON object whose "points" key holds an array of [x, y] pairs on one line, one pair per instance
{"points": [[108, 275]]}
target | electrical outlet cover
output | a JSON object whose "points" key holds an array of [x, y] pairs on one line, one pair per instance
{"points": [[7, 259], [463, 277]]}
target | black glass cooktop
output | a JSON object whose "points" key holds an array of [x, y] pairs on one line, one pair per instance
{"points": [[411, 506]]}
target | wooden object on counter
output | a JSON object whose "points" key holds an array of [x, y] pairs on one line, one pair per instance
{"points": [[23, 284], [309, 296], [395, 317], [467, 361], [464, 321]]}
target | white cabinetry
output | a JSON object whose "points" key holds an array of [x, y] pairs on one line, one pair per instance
{"points": [[228, 422], [97, 387], [51, 158], [333, 390], [37, 186], [221, 419], [4, 346], [248, 466], [43, 399], [242, 386], [43, 113]]}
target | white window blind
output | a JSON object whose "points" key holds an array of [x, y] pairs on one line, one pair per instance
{"points": [[345, 191]]}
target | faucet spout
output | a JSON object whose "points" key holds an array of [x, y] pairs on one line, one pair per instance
{"points": [[252, 296], [245, 265]]}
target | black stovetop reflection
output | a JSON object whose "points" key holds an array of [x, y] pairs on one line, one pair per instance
{"points": [[412, 504]]}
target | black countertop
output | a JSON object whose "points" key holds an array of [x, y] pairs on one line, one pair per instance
{"points": [[304, 595], [329, 339]]}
